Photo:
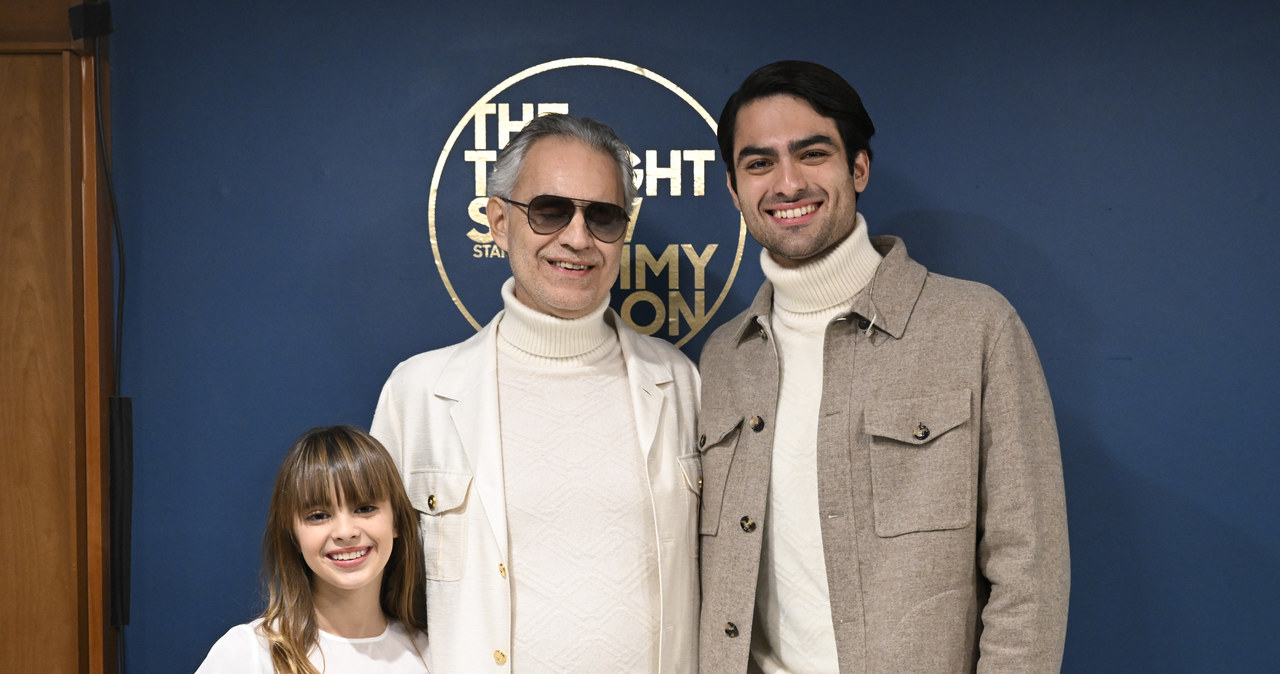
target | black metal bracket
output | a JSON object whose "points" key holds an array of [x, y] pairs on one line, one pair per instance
{"points": [[90, 20]]}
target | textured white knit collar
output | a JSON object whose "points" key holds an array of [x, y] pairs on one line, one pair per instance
{"points": [[828, 282], [549, 336]]}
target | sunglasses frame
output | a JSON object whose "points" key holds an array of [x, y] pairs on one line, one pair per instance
{"points": [[578, 204]]}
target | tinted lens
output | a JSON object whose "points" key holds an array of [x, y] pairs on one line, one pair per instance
{"points": [[607, 221], [549, 213]]}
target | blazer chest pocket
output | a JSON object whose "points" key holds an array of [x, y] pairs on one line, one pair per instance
{"points": [[922, 472], [440, 497], [717, 442]]}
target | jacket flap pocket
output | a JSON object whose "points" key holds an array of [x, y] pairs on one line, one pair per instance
{"points": [[714, 425], [434, 492], [717, 442], [917, 421]]}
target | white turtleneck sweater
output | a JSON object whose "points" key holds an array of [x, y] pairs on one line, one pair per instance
{"points": [[582, 567], [793, 630]]}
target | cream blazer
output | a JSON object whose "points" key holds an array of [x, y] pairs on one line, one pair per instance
{"points": [[438, 416]]}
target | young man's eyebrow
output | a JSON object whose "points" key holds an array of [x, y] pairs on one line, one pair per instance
{"points": [[816, 139], [756, 151], [793, 146]]}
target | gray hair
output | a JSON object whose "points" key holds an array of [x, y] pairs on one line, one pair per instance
{"points": [[506, 170]]}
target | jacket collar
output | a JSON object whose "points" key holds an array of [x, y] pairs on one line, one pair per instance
{"points": [[888, 299], [462, 375]]}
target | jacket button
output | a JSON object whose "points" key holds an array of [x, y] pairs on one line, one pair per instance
{"points": [[863, 324], [502, 570], [731, 630], [921, 432], [702, 441], [699, 484], [500, 657], [431, 502], [757, 424], [748, 525]]}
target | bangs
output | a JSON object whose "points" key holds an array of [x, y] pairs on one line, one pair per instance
{"points": [[334, 468]]}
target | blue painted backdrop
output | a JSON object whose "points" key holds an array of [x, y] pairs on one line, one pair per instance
{"points": [[1108, 166]]}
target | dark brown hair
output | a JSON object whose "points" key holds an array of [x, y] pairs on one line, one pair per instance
{"points": [[828, 93]]}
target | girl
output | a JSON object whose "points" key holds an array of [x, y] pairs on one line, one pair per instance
{"points": [[342, 564]]}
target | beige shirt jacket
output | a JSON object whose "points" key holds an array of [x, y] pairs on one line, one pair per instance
{"points": [[438, 416], [939, 480]]}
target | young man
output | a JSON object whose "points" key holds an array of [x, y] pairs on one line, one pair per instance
{"points": [[552, 454], [882, 480]]}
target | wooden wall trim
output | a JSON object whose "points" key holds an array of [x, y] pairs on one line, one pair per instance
{"points": [[97, 303], [56, 370], [38, 47]]}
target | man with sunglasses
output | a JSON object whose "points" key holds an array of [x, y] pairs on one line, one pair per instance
{"points": [[882, 485], [552, 455]]}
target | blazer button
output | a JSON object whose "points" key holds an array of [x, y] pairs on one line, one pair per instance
{"points": [[702, 441], [500, 657], [757, 424], [863, 324], [921, 432], [731, 630], [502, 570], [431, 502], [748, 525]]}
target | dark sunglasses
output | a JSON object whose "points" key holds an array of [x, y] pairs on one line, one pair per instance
{"points": [[549, 214]]}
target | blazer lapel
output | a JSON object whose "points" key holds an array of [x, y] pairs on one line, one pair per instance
{"points": [[647, 379]]}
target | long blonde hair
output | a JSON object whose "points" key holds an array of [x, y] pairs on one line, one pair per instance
{"points": [[358, 467]]}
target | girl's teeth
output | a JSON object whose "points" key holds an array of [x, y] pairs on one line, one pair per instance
{"points": [[348, 556]]}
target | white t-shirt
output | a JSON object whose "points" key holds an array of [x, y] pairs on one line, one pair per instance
{"points": [[243, 650]]}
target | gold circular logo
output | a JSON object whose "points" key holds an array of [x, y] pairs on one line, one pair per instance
{"points": [[674, 255]]}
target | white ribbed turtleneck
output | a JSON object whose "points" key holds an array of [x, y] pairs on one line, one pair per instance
{"points": [[828, 282], [793, 629], [533, 337]]}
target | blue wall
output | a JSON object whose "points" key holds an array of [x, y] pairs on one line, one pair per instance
{"points": [[1108, 166]]}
